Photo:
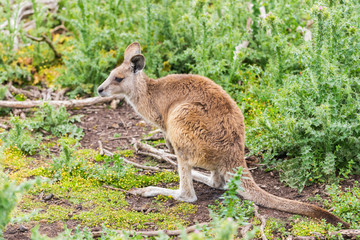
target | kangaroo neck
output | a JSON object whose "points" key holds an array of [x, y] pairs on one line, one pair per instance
{"points": [[140, 100]]}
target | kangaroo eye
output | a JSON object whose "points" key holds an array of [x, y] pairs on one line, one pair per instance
{"points": [[118, 79]]}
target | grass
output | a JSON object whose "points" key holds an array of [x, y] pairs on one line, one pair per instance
{"points": [[98, 204]]}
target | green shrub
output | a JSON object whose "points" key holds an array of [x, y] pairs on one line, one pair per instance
{"points": [[9, 196], [57, 121], [20, 137], [345, 203], [231, 205], [310, 129]]}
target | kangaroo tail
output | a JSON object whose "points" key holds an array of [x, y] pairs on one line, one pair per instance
{"points": [[260, 197]]}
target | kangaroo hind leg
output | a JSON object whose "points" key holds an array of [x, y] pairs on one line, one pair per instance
{"points": [[185, 192], [215, 180]]}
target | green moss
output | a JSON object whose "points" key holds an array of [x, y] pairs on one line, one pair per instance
{"points": [[126, 153], [132, 180], [86, 153], [86, 191], [125, 219], [14, 158], [307, 227], [54, 213], [272, 227]]}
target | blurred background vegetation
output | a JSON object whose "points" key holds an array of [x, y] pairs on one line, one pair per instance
{"points": [[293, 70]]}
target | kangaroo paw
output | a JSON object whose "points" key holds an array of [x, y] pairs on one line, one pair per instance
{"points": [[154, 191]]}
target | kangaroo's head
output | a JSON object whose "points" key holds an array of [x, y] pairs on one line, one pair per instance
{"points": [[122, 79]]}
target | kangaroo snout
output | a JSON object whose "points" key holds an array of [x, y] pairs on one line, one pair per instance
{"points": [[103, 90], [100, 91]]}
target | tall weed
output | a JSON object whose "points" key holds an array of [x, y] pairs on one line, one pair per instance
{"points": [[311, 131]]}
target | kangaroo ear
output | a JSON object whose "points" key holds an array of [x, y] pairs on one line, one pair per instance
{"points": [[137, 63], [132, 50]]}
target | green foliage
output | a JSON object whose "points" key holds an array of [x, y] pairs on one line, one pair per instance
{"points": [[110, 170], [20, 137], [57, 121], [232, 206], [307, 228], [68, 162], [24, 136], [309, 128], [345, 203], [9, 196]]}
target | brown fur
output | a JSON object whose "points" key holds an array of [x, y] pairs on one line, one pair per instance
{"points": [[204, 126]]}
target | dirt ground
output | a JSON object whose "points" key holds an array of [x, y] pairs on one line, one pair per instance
{"points": [[115, 128]]}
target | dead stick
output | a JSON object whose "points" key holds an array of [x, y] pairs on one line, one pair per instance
{"points": [[347, 233], [159, 152], [65, 103], [245, 229], [44, 38], [155, 131], [101, 152], [108, 153], [304, 238], [155, 233], [263, 221], [6, 127], [32, 94]]}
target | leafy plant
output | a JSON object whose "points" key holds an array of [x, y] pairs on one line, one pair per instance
{"points": [[9, 196], [20, 137], [344, 202], [231, 205], [310, 128], [57, 121]]}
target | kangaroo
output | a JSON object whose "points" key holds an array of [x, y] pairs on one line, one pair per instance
{"points": [[204, 127]]}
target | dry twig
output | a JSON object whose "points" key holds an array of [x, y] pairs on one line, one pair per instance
{"points": [[245, 229], [44, 38], [263, 222], [352, 233], [151, 151], [156, 233], [31, 94], [6, 127], [65, 103]]}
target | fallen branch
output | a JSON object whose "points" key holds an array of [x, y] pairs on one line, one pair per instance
{"points": [[60, 94], [103, 151], [155, 131], [154, 233], [263, 222], [65, 103], [151, 151], [347, 233], [44, 38], [245, 230], [154, 138], [31, 94], [59, 29], [6, 127], [305, 238]]}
